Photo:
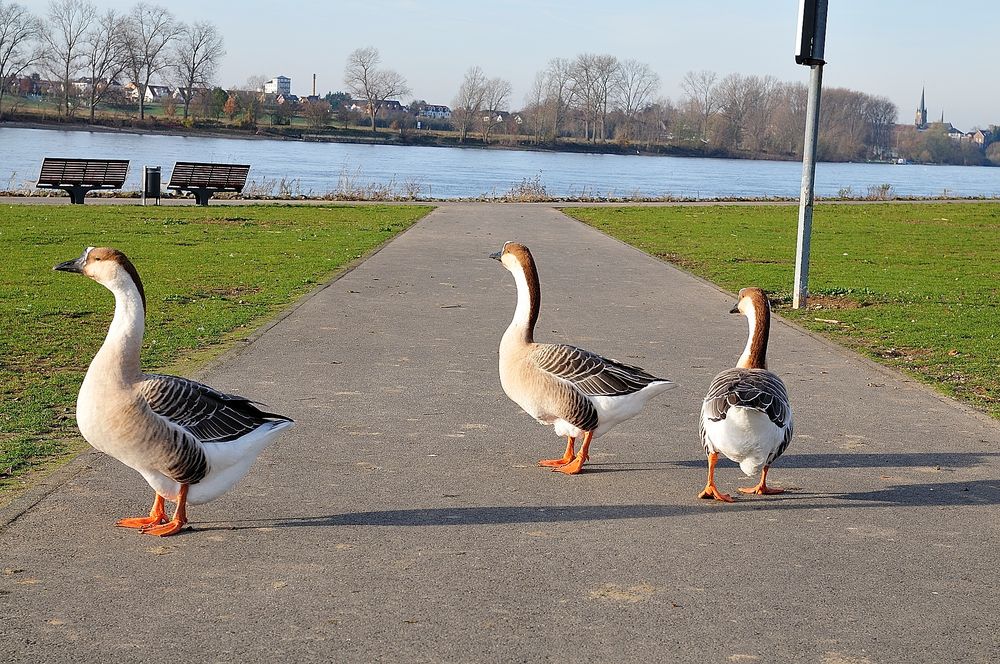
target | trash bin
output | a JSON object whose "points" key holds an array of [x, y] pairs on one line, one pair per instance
{"points": [[151, 183]]}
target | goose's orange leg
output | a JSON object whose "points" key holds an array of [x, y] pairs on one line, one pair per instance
{"points": [[710, 489], [176, 523], [566, 458], [157, 515], [762, 489], [576, 465]]}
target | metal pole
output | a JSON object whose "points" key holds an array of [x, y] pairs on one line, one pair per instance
{"points": [[801, 292]]}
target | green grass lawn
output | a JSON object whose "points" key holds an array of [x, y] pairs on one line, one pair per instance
{"points": [[211, 275], [914, 286]]}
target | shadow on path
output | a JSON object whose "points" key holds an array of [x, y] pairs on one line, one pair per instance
{"points": [[957, 494], [869, 460]]}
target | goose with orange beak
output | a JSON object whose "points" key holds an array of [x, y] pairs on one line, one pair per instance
{"points": [[190, 442], [746, 414], [579, 393]]}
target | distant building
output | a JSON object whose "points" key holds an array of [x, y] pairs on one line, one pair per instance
{"points": [[182, 92], [980, 137], [361, 105], [153, 92], [434, 111], [287, 99], [85, 84], [920, 120], [280, 85]]}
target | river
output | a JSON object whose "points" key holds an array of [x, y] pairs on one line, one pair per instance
{"points": [[316, 169]]}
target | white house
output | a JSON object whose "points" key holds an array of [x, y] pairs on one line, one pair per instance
{"points": [[435, 111], [153, 92], [280, 85]]}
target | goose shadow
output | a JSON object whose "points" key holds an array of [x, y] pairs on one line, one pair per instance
{"points": [[932, 494], [868, 460]]}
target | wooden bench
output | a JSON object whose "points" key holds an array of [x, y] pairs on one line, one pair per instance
{"points": [[203, 179], [78, 176]]}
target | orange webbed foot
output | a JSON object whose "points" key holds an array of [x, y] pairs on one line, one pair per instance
{"points": [[574, 467], [156, 516], [712, 492], [760, 490], [564, 459], [141, 521], [172, 527]]}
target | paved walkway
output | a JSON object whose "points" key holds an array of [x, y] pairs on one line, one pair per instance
{"points": [[404, 520]]}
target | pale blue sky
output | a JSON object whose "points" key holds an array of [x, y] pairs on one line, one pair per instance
{"points": [[882, 47]]}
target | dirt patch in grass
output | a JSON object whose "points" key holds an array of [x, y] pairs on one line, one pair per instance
{"points": [[905, 354], [833, 302], [678, 260], [235, 290]]}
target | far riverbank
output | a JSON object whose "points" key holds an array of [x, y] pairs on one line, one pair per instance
{"points": [[156, 125], [292, 169]]}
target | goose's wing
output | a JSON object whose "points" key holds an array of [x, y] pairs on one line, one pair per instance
{"points": [[209, 415], [756, 389], [590, 373]]}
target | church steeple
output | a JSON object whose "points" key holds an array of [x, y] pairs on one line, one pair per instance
{"points": [[920, 120]]}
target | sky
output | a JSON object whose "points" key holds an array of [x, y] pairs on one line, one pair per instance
{"points": [[889, 48]]}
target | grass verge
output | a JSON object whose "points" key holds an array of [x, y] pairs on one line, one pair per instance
{"points": [[211, 275], [916, 287]]}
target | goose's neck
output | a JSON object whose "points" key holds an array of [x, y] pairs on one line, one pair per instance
{"points": [[522, 326], [755, 354], [118, 358]]}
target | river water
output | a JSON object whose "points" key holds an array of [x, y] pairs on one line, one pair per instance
{"points": [[315, 169]]}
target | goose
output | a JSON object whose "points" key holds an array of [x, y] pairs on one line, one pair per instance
{"points": [[190, 442], [746, 414], [579, 393]]}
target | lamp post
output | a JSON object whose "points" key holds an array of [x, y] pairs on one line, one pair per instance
{"points": [[809, 51]]}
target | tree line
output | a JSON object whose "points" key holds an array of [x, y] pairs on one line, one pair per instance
{"points": [[74, 40], [589, 99]]}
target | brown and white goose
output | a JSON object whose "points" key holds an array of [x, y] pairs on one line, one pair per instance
{"points": [[746, 414], [578, 392], [190, 442]]}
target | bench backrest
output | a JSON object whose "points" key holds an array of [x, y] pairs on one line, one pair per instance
{"points": [[227, 177], [97, 172]]}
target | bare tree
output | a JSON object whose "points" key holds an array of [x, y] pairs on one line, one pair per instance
{"points": [[65, 35], [606, 71], [103, 56], [702, 96], [592, 77], [496, 95], [736, 97], [365, 80], [19, 32], [255, 83], [559, 92], [635, 86], [881, 114], [196, 56], [535, 107], [468, 104], [764, 96], [317, 113], [583, 75], [149, 30]]}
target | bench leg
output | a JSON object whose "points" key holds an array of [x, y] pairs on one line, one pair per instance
{"points": [[201, 196], [76, 194]]}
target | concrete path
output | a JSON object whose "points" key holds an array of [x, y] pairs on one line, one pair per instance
{"points": [[404, 520]]}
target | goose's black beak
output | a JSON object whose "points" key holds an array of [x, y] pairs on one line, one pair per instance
{"points": [[735, 309], [75, 265], [496, 255]]}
